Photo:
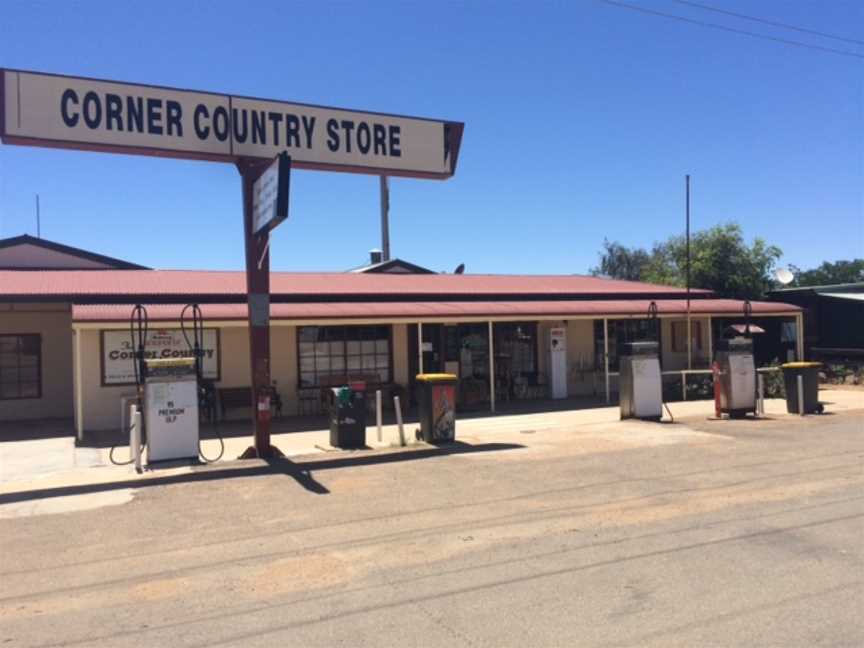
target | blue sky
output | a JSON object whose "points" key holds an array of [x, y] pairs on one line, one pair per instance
{"points": [[581, 121]]}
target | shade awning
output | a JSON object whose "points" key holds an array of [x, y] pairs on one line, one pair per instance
{"points": [[437, 310]]}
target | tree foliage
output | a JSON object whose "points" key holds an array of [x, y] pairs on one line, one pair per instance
{"points": [[720, 260], [829, 273]]}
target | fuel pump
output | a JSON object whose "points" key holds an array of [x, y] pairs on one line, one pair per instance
{"points": [[640, 386], [169, 391], [736, 394]]}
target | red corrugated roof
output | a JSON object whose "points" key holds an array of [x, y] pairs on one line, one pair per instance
{"points": [[168, 283], [437, 309]]}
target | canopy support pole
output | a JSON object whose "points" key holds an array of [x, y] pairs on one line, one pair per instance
{"points": [[420, 347], [606, 356], [491, 369], [799, 336]]}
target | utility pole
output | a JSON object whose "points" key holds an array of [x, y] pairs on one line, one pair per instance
{"points": [[689, 332], [385, 217]]}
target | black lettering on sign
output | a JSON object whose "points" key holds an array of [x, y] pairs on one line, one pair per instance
{"points": [[154, 116], [113, 112], [259, 134], [220, 123], [174, 118], [348, 126], [379, 135], [292, 131], [395, 135], [69, 96], [275, 119], [135, 114], [364, 137], [308, 127], [333, 135], [202, 131], [240, 135], [92, 110]]}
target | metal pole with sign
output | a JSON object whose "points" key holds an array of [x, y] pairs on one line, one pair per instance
{"points": [[265, 205], [85, 114]]}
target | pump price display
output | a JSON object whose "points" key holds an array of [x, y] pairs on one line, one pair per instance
{"points": [[270, 195], [91, 114]]}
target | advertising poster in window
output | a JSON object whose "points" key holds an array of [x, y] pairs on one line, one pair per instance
{"points": [[118, 353]]}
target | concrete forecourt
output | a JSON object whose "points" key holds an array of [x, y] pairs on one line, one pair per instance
{"points": [[531, 530]]}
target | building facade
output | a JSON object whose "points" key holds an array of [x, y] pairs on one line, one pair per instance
{"points": [[67, 348]]}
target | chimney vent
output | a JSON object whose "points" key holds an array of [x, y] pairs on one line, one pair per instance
{"points": [[375, 256]]}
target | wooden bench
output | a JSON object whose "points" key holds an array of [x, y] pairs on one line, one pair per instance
{"points": [[241, 398], [234, 398]]}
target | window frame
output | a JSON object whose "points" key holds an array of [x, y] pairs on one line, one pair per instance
{"points": [[344, 339], [695, 335], [39, 390]]}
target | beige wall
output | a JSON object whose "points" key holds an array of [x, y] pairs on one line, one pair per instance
{"points": [[53, 323], [580, 357], [672, 360]]}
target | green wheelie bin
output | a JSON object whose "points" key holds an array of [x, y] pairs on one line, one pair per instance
{"points": [[437, 404]]}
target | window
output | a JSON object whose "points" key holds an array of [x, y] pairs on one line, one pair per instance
{"points": [[679, 336], [516, 344], [620, 332], [332, 354], [20, 366]]}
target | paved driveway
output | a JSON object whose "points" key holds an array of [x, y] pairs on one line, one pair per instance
{"points": [[694, 534]]}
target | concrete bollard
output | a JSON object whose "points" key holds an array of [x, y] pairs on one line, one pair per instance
{"points": [[135, 436], [398, 407], [760, 394]]}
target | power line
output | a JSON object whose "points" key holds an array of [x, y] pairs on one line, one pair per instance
{"points": [[624, 5], [768, 22]]}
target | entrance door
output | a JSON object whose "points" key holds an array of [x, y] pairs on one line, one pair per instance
{"points": [[433, 352]]}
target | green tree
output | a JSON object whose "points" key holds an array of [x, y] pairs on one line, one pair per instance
{"points": [[829, 273], [720, 260], [621, 262]]}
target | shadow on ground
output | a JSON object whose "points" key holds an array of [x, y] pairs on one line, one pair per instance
{"points": [[236, 427], [301, 472]]}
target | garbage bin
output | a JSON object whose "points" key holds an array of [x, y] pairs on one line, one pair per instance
{"points": [[347, 418], [810, 373], [437, 402]]}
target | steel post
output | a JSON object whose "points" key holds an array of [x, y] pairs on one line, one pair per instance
{"points": [[258, 300]]}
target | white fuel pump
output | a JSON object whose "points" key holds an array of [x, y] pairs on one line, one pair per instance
{"points": [[640, 381], [171, 409]]}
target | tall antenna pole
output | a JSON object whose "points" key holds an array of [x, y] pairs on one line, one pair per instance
{"points": [[38, 223], [385, 218], [689, 332]]}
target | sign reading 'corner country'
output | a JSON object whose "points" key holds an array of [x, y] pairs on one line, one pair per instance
{"points": [[72, 112]]}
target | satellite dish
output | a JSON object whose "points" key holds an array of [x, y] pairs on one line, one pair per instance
{"points": [[459, 269], [783, 276]]}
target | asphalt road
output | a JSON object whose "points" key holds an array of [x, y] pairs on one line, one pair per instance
{"points": [[721, 534]]}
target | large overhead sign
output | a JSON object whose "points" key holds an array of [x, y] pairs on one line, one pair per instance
{"points": [[72, 112]]}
